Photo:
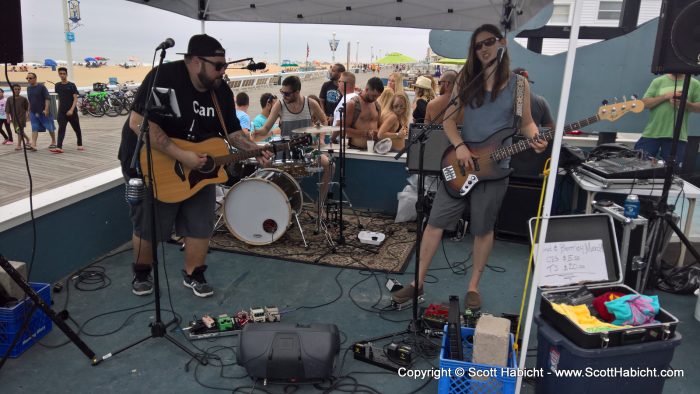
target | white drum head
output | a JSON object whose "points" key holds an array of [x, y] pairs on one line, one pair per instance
{"points": [[257, 211]]}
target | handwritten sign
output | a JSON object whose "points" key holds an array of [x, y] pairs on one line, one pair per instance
{"points": [[571, 262]]}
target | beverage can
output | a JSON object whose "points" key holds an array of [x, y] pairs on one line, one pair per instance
{"points": [[632, 206]]}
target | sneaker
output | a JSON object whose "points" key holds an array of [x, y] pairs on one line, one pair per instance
{"points": [[197, 283], [8, 142], [404, 294], [142, 284]]}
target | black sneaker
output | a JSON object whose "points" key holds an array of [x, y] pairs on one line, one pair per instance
{"points": [[142, 284], [197, 283]]}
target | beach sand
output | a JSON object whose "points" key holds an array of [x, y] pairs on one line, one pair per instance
{"points": [[85, 77]]}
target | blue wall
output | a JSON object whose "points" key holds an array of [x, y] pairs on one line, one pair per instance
{"points": [[369, 184], [72, 237], [605, 70]]}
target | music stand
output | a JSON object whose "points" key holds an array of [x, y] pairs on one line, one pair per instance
{"points": [[158, 327]]}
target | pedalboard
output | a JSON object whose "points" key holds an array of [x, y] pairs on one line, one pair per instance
{"points": [[224, 325]]}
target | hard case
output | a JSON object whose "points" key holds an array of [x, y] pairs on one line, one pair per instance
{"points": [[597, 226]]}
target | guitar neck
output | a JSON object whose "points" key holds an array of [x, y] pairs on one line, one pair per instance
{"points": [[523, 145], [238, 156]]}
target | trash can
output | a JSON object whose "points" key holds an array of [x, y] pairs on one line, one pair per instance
{"points": [[635, 368]]}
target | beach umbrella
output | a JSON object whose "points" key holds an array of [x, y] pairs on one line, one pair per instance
{"points": [[100, 58], [396, 58], [90, 59], [50, 63], [289, 65]]}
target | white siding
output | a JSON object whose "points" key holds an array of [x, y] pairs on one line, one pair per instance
{"points": [[649, 9]]}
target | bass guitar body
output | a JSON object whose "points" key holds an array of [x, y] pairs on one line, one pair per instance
{"points": [[459, 180]]}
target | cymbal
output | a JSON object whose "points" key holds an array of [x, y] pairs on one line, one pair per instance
{"points": [[316, 130]]}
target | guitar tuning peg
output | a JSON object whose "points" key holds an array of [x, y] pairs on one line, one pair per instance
{"points": [[605, 102], [634, 96]]}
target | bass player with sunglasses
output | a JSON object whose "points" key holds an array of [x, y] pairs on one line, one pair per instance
{"points": [[486, 92]]}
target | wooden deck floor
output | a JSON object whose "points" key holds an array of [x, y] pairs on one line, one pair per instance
{"points": [[101, 138]]}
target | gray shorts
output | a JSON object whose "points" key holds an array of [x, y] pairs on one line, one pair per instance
{"points": [[484, 202], [193, 217]]}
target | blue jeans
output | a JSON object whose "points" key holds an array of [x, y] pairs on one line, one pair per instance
{"points": [[655, 146]]}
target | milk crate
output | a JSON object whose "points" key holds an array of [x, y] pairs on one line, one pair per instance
{"points": [[474, 379], [11, 320]]}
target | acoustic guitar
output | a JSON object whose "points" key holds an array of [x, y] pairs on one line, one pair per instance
{"points": [[459, 180], [174, 182]]}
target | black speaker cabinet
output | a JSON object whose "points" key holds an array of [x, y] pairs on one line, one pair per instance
{"points": [[11, 42], [519, 205], [435, 147], [677, 47]]}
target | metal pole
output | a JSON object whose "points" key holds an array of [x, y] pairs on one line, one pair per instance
{"points": [[66, 29], [551, 181], [279, 44], [357, 55], [347, 61], [203, 27]]}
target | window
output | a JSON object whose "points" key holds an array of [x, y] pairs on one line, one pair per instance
{"points": [[561, 14], [610, 10]]}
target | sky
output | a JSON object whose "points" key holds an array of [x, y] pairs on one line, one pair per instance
{"points": [[118, 29]]}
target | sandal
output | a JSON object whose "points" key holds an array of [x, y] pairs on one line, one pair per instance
{"points": [[18, 148], [404, 294], [472, 300], [81, 148], [52, 146]]}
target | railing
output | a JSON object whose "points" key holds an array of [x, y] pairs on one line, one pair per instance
{"points": [[268, 80]]}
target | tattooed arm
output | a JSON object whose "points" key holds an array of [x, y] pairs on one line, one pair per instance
{"points": [[161, 142]]}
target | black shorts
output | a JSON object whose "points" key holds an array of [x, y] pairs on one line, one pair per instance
{"points": [[193, 217]]}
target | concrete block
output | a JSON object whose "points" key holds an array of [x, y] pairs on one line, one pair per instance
{"points": [[8, 284], [491, 341]]}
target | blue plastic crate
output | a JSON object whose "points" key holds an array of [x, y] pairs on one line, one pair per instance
{"points": [[500, 382], [11, 320]]}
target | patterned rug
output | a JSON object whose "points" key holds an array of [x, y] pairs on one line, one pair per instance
{"points": [[391, 256]]}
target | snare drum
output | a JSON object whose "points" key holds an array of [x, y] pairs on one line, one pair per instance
{"points": [[239, 170], [259, 209]]}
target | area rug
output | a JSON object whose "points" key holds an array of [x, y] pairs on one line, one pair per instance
{"points": [[391, 256]]}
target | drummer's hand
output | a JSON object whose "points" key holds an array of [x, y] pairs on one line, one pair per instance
{"points": [[264, 159], [193, 160]]}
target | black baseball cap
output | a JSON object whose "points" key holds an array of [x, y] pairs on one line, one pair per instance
{"points": [[204, 45]]}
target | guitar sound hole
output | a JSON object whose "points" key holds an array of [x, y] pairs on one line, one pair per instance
{"points": [[208, 166]]}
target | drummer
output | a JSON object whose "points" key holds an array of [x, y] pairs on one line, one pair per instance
{"points": [[295, 111]]}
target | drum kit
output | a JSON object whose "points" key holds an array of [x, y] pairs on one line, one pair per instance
{"points": [[260, 204]]}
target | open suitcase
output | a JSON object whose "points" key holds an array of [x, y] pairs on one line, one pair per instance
{"points": [[594, 227]]}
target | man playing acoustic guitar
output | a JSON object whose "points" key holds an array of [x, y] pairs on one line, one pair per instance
{"points": [[488, 102], [201, 96]]}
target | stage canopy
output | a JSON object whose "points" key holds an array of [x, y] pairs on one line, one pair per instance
{"points": [[436, 14]]}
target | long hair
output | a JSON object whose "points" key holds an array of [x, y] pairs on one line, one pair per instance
{"points": [[404, 119], [474, 93], [385, 99], [398, 80]]}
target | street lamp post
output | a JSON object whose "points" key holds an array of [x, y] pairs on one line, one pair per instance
{"points": [[334, 45], [357, 55]]}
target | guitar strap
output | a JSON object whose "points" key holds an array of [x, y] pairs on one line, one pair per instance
{"points": [[218, 114], [518, 101]]}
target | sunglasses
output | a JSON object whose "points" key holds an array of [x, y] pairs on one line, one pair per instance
{"points": [[286, 94], [217, 65], [30, 78], [488, 42]]}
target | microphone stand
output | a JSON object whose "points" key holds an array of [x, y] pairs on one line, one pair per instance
{"points": [[341, 166], [663, 214], [158, 327]]}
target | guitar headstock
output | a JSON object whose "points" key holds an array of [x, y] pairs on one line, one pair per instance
{"points": [[613, 112]]}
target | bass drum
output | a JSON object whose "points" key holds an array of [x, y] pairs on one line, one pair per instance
{"points": [[259, 209]]}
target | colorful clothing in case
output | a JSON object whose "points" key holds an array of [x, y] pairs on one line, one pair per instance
{"points": [[634, 309], [582, 317]]}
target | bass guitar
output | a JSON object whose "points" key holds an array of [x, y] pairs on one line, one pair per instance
{"points": [[459, 180], [174, 182]]}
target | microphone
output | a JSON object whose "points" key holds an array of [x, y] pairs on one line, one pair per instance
{"points": [[255, 66], [168, 43], [134, 191], [499, 54]]}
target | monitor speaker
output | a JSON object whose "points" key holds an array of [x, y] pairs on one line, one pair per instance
{"points": [[677, 47], [519, 205], [11, 42]]}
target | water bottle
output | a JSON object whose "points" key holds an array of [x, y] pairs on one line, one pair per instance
{"points": [[632, 206]]}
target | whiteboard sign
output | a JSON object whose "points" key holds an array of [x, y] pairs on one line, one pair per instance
{"points": [[571, 262]]}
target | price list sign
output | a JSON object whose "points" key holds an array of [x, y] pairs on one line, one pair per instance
{"points": [[571, 262]]}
